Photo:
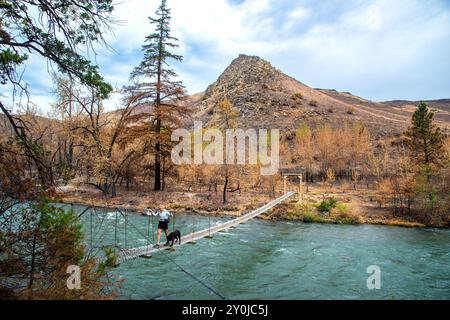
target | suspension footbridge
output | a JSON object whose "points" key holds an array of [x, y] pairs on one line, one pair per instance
{"points": [[132, 253]]}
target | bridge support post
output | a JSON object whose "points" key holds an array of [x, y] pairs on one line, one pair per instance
{"points": [[193, 231], [300, 191], [284, 185], [209, 236]]}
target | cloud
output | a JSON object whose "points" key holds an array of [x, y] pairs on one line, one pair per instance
{"points": [[296, 16], [367, 18], [378, 49], [133, 24]]}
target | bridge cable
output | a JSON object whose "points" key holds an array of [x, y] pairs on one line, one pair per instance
{"points": [[183, 269], [115, 231], [153, 230], [173, 223], [178, 265], [126, 222], [193, 228], [148, 228], [209, 220], [91, 237]]}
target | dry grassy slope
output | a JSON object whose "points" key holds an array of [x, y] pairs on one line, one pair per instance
{"points": [[36, 122], [266, 97], [440, 107], [396, 110]]}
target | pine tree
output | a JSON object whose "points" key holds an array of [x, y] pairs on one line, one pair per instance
{"points": [[425, 139], [154, 82]]}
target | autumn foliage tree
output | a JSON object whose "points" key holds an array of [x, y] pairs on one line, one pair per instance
{"points": [[227, 114], [344, 150], [38, 240], [305, 150], [154, 84]]}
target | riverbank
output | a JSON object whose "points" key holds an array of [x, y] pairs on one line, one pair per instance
{"points": [[310, 213], [350, 207], [200, 203]]}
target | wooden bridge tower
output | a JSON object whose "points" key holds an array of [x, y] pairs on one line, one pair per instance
{"points": [[287, 186]]}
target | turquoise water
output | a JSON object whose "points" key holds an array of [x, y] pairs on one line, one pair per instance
{"points": [[282, 260]]}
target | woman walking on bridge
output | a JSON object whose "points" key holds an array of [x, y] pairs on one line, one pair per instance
{"points": [[163, 224]]}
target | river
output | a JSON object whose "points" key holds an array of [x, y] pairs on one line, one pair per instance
{"points": [[280, 260]]}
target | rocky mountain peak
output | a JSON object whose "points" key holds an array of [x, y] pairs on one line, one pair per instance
{"points": [[248, 82], [267, 98], [249, 63], [244, 72]]}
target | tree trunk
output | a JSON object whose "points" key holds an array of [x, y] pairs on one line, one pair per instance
{"points": [[225, 185], [70, 154], [163, 185], [113, 190], [60, 161], [105, 188], [157, 186]]}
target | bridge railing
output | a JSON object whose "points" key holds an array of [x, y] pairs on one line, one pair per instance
{"points": [[132, 253]]}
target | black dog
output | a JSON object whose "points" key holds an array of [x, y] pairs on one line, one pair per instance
{"points": [[173, 237]]}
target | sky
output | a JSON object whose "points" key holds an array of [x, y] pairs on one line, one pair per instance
{"points": [[379, 49]]}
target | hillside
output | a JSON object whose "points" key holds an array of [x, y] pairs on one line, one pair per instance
{"points": [[266, 97], [440, 107], [397, 109]]}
